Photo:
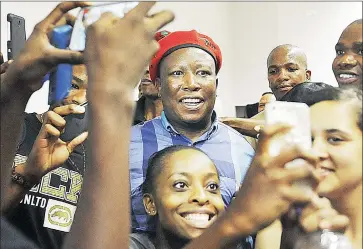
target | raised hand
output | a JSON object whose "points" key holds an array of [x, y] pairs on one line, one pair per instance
{"points": [[38, 56], [120, 48], [268, 184], [49, 151]]}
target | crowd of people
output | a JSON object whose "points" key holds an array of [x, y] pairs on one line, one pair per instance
{"points": [[166, 172]]}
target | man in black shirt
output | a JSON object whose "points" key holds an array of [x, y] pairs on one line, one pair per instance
{"points": [[46, 212]]}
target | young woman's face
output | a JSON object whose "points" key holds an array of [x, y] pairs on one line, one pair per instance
{"points": [[187, 195], [338, 141]]}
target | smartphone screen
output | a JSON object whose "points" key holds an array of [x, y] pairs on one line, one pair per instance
{"points": [[89, 15]]}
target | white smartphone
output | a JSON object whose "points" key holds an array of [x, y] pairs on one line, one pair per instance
{"points": [[89, 15], [296, 115]]}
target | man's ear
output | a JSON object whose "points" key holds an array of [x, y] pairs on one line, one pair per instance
{"points": [[149, 204], [158, 84], [308, 75]]}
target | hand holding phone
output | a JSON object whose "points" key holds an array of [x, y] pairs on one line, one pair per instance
{"points": [[296, 115]]}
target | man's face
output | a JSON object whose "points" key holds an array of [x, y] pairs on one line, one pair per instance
{"points": [[347, 65], [267, 98], [188, 86], [286, 69], [147, 87], [78, 91]]}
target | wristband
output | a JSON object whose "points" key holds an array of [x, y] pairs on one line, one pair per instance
{"points": [[21, 180]]}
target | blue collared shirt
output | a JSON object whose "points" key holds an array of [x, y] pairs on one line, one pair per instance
{"points": [[228, 149]]}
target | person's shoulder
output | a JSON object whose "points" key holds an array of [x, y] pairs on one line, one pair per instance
{"points": [[235, 136], [230, 130], [140, 241], [151, 126]]}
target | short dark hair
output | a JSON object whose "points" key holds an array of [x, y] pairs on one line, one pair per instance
{"points": [[303, 93], [156, 163], [312, 93]]}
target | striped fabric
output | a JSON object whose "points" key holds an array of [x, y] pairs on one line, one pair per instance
{"points": [[229, 150]]}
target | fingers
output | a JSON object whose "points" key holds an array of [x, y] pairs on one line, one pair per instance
{"points": [[57, 14], [294, 194], [77, 141], [269, 131], [141, 10], [4, 66], [59, 56], [326, 218], [54, 119], [69, 109], [50, 131], [159, 20], [337, 223], [289, 175]]}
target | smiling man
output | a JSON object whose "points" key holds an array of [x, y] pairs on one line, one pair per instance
{"points": [[287, 67], [347, 65], [185, 69]]}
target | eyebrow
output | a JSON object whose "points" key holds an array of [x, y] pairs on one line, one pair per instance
{"points": [[286, 64], [357, 44], [188, 175], [329, 131], [78, 80]]}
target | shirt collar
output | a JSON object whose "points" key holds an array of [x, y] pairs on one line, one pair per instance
{"points": [[171, 129]]}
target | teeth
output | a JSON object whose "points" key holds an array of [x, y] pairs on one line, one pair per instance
{"points": [[191, 101], [197, 217], [346, 76]]}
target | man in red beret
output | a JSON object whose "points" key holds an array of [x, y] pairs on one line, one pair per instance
{"points": [[185, 69], [149, 103]]}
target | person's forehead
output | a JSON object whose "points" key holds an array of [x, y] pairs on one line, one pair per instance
{"points": [[80, 72], [282, 57], [352, 34], [188, 55], [188, 162], [333, 115]]}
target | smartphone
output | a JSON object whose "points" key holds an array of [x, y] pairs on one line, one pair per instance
{"points": [[296, 115], [60, 79], [89, 15], [17, 37]]}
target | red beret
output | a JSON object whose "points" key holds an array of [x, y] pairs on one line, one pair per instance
{"points": [[161, 34], [182, 39]]}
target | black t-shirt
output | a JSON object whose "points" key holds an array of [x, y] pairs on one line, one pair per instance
{"points": [[46, 213], [11, 238]]}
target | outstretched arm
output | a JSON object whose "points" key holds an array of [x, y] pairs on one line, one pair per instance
{"points": [[117, 52]]}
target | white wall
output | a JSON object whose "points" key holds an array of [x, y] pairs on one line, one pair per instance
{"points": [[246, 33]]}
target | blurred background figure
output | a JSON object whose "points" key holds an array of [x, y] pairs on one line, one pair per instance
{"points": [[266, 97]]}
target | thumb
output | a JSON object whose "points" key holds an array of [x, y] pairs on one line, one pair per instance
{"points": [[77, 141], [64, 56]]}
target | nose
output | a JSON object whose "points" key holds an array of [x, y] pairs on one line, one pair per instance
{"points": [[199, 196], [283, 76], [347, 61], [320, 148], [79, 97], [189, 83]]}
